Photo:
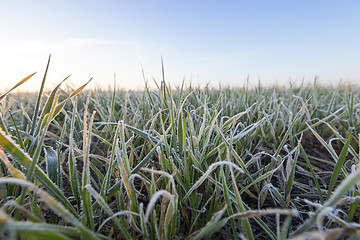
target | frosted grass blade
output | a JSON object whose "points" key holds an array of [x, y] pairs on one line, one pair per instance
{"points": [[51, 163], [24, 159], [16, 85], [53, 204], [338, 166]]}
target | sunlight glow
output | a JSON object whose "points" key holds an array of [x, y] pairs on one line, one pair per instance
{"points": [[200, 42]]}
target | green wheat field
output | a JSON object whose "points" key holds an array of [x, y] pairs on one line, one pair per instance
{"points": [[180, 163]]}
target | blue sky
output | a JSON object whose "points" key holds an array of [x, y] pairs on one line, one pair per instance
{"points": [[201, 41]]}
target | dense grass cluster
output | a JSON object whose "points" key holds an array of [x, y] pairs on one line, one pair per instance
{"points": [[180, 163]]}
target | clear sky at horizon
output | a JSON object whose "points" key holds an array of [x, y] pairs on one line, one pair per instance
{"points": [[200, 41]]}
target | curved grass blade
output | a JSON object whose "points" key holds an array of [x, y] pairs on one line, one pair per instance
{"points": [[212, 167], [324, 143], [125, 178], [51, 160], [80, 89], [292, 124], [31, 229], [105, 191], [234, 118], [145, 160], [142, 134], [16, 85], [15, 172], [50, 107], [18, 135], [56, 206], [24, 159], [211, 227], [261, 212], [240, 206], [337, 195], [106, 207], [290, 178], [338, 166], [238, 136], [61, 105], [313, 174], [227, 198]]}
